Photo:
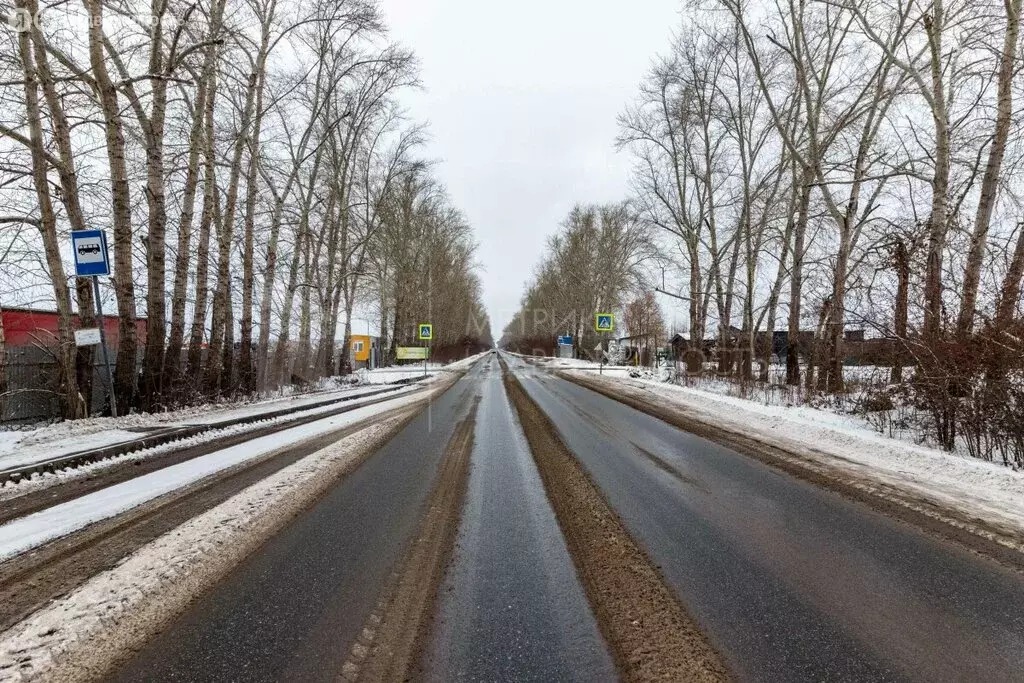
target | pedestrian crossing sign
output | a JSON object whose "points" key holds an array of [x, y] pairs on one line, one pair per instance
{"points": [[604, 322], [426, 331]]}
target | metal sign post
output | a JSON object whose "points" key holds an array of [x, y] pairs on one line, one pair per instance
{"points": [[603, 322], [426, 333], [92, 260], [103, 346]]}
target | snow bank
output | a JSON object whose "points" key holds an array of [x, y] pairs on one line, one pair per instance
{"points": [[24, 446], [400, 373], [413, 371], [465, 363], [76, 636], [33, 530], [19, 447]]}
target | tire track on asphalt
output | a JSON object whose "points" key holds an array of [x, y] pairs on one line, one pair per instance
{"points": [[390, 643], [943, 523], [512, 606], [791, 581], [293, 609], [650, 633]]}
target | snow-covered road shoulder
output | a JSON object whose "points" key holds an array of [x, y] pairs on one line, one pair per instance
{"points": [[986, 498], [24, 446], [53, 522], [79, 636]]}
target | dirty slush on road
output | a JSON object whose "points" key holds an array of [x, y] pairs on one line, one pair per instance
{"points": [[650, 633], [513, 607], [576, 598], [391, 643]]}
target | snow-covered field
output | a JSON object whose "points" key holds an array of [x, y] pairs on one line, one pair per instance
{"points": [[844, 443]]}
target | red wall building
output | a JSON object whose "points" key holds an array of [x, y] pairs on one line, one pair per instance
{"points": [[29, 327]]}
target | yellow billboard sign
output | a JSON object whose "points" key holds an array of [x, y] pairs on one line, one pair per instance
{"points": [[412, 352]]}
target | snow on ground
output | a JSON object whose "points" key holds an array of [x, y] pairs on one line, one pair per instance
{"points": [[261, 407], [33, 530], [970, 486], [17, 454], [414, 371], [39, 481], [68, 437], [396, 374], [22, 447], [119, 608], [18, 447], [459, 365]]}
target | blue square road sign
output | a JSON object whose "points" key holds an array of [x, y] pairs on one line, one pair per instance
{"points": [[90, 251]]}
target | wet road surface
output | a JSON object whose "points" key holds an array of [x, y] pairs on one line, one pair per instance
{"points": [[789, 581], [292, 610], [511, 606]]}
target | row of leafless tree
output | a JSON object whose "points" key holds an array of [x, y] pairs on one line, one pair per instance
{"points": [[255, 173], [597, 257], [852, 161], [817, 165]]}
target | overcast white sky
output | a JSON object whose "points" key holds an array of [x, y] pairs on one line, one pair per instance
{"points": [[522, 99]]}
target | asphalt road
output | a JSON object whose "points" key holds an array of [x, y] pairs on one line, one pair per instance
{"points": [[790, 582], [292, 610], [512, 608]]}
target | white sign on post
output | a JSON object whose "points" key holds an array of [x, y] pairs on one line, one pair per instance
{"points": [[87, 337]]}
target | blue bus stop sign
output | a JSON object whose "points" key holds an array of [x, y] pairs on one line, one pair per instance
{"points": [[90, 251]]}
